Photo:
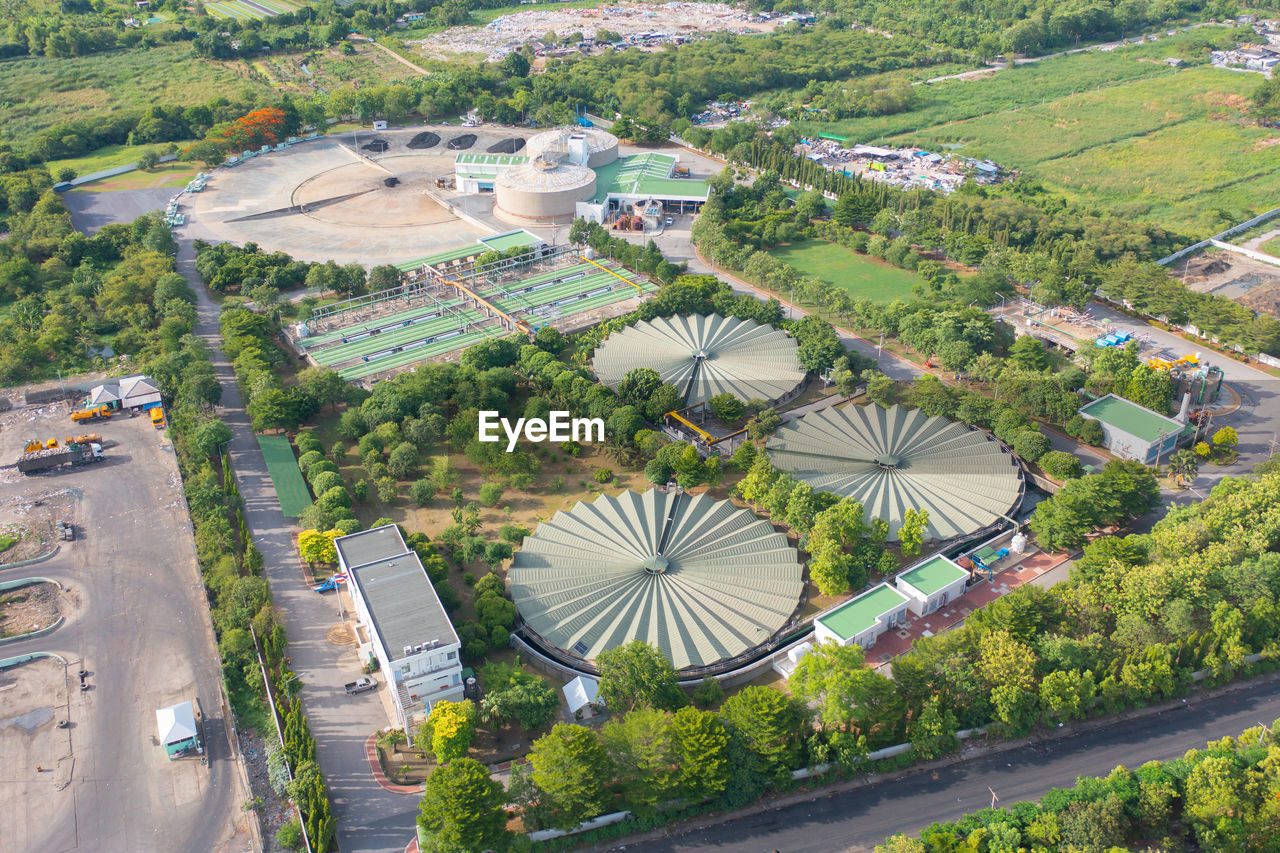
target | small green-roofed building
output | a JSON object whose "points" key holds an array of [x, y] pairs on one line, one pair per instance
{"points": [[932, 583], [1135, 432], [511, 240], [863, 618]]}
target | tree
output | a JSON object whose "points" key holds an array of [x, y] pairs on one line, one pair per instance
{"points": [[637, 675], [829, 570], [770, 724], [462, 809], [1225, 439], [448, 731], [317, 547], [911, 534], [638, 386], [148, 159], [490, 494], [1031, 444], [1061, 466], [832, 678], [208, 437], [1183, 465], [726, 407], [700, 743], [764, 424], [1028, 353], [643, 756], [514, 64], [403, 460], [570, 765]]}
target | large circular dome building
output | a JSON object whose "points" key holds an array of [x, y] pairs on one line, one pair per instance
{"points": [[894, 459], [698, 578], [586, 146], [704, 355], [542, 191]]}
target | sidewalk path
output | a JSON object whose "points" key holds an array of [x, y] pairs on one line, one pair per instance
{"points": [[368, 818]]}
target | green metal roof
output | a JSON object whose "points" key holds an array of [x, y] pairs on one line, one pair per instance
{"points": [[861, 612], [895, 459], [444, 257], [511, 239], [729, 354], [1129, 417], [490, 160], [648, 175], [698, 578], [933, 575]]}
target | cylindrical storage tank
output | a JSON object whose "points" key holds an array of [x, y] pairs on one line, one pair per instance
{"points": [[600, 147], [542, 192]]}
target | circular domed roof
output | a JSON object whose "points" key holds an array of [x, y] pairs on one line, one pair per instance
{"points": [[542, 176], [894, 459], [698, 578], [705, 355], [557, 139]]}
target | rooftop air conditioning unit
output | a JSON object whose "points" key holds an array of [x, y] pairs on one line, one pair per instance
{"points": [[408, 650]]}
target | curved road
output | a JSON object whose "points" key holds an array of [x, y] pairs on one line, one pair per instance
{"points": [[858, 819]]}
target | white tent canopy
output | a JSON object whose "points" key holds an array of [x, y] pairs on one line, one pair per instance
{"points": [[581, 692]]}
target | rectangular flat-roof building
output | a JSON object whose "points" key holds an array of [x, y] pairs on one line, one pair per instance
{"points": [[863, 618], [404, 625], [932, 583], [1134, 432]]}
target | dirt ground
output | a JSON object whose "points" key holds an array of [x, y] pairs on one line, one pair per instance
{"points": [[34, 753], [28, 609], [1251, 283]]}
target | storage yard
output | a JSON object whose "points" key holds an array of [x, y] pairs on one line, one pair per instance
{"points": [[903, 167], [643, 25]]}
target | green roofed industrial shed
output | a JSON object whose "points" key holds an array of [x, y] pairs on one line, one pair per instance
{"points": [[1133, 431], [933, 574], [700, 579], [862, 618]]}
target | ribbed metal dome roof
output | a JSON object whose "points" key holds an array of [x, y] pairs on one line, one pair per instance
{"points": [[894, 459], [717, 353], [698, 578]]}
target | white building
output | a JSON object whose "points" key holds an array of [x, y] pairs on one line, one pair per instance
{"points": [[131, 392], [863, 618], [581, 694], [931, 584], [402, 622], [1135, 432]]}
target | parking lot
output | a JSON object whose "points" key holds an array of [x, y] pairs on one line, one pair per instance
{"points": [[136, 621]]}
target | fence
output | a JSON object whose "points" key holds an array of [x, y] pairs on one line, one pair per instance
{"points": [[1235, 229]]}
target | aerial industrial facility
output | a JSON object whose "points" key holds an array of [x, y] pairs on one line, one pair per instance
{"points": [[895, 459], [703, 355], [699, 578]]}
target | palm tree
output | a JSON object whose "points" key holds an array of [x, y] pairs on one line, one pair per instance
{"points": [[1183, 465]]}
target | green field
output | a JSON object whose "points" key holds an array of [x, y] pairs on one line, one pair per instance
{"points": [[283, 467], [105, 158], [1271, 247], [861, 275], [245, 10], [38, 92]]}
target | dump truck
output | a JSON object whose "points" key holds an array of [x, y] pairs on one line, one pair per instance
{"points": [[97, 413], [74, 455], [360, 685]]}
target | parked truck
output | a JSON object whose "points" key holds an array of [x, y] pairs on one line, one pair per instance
{"points": [[97, 413], [360, 685], [74, 455]]}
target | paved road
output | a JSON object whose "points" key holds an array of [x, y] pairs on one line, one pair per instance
{"points": [[858, 819], [142, 629], [369, 818]]}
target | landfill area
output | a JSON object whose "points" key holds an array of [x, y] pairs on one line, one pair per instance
{"points": [[1250, 282], [903, 167], [644, 25]]}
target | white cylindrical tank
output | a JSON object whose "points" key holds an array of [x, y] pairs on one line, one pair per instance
{"points": [[584, 146], [542, 192]]}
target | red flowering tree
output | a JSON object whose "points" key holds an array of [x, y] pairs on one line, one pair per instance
{"points": [[260, 127]]}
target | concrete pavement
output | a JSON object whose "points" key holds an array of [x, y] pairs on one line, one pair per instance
{"points": [[138, 621], [860, 818], [368, 818]]}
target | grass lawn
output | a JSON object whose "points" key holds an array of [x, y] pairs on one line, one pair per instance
{"points": [[165, 175], [39, 92], [105, 158], [285, 476], [860, 275], [7, 542], [1271, 247]]}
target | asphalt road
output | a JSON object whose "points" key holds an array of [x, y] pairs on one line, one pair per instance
{"points": [[141, 628], [368, 817], [858, 819]]}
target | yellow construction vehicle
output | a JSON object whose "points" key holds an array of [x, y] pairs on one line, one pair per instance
{"points": [[1160, 364], [94, 414], [50, 444], [157, 418], [33, 446], [87, 438]]}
